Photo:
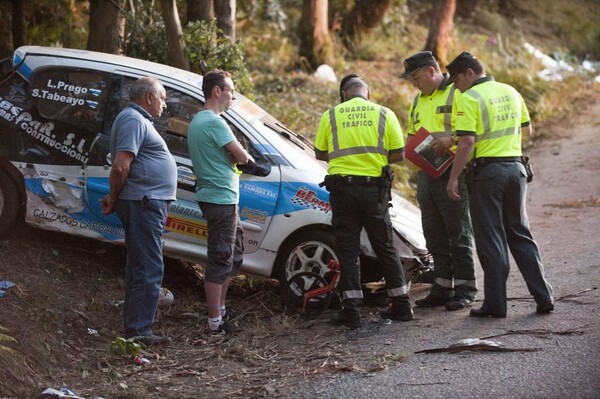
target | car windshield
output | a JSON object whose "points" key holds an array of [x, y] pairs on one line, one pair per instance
{"points": [[285, 146]]}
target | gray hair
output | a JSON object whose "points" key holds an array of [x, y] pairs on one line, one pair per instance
{"points": [[143, 86]]}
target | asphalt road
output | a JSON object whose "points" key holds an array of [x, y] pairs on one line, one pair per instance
{"points": [[564, 361]]}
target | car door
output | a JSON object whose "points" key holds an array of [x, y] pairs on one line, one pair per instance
{"points": [[186, 232], [64, 114]]}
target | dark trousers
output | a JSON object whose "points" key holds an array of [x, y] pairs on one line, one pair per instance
{"points": [[449, 236], [497, 200], [355, 207]]}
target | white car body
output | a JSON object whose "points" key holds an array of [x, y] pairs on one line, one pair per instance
{"points": [[56, 107]]}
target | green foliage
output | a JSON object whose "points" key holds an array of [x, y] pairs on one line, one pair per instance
{"points": [[5, 337], [146, 37], [58, 23], [124, 347], [206, 45]]}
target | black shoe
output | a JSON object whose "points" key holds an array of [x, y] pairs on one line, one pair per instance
{"points": [[229, 315], [544, 308], [483, 313], [347, 317], [430, 301], [149, 340], [224, 328], [458, 303], [394, 313]]}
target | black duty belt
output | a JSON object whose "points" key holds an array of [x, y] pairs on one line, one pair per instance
{"points": [[358, 180], [484, 161]]}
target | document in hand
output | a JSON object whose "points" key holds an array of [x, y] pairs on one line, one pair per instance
{"points": [[420, 152]]}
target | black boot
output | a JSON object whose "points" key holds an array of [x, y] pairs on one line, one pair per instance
{"points": [[399, 310], [349, 316]]}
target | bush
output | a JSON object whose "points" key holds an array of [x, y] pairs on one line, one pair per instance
{"points": [[206, 47]]}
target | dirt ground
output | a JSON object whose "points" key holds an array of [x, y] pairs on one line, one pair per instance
{"points": [[65, 309]]}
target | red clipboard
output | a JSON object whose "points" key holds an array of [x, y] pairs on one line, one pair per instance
{"points": [[420, 152]]}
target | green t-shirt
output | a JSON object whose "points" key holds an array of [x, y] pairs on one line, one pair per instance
{"points": [[217, 180]]}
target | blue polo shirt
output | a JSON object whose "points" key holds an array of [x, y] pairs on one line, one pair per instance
{"points": [[153, 172]]}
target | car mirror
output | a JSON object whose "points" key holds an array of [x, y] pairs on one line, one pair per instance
{"points": [[259, 168]]}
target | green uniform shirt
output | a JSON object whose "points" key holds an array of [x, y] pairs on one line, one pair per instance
{"points": [[436, 112], [358, 135], [494, 112]]}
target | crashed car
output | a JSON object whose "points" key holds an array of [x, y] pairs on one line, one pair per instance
{"points": [[56, 110]]}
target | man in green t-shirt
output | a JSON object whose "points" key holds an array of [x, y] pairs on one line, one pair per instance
{"points": [[215, 151]]}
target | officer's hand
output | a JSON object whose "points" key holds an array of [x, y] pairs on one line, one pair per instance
{"points": [[452, 190], [441, 145]]}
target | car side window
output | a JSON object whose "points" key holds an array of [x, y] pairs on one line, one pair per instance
{"points": [[71, 95], [174, 121]]}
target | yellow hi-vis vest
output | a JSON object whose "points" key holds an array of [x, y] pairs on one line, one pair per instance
{"points": [[434, 112], [357, 136], [495, 112]]}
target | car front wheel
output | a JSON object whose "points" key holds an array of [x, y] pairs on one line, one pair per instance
{"points": [[308, 251]]}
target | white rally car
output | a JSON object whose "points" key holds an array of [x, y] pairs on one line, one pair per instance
{"points": [[56, 110]]}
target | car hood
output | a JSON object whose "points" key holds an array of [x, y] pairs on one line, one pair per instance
{"points": [[406, 219]]}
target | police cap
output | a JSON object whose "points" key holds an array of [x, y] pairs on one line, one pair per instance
{"points": [[416, 61], [461, 63]]}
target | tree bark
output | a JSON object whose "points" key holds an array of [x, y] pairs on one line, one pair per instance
{"points": [[200, 10], [364, 16], [440, 29], [225, 13], [107, 26], [174, 34], [316, 46], [18, 23]]}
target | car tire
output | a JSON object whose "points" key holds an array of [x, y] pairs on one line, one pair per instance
{"points": [[9, 203], [308, 251], [298, 286]]}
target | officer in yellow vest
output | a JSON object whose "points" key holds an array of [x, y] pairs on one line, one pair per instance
{"points": [[446, 223], [359, 139], [491, 117]]}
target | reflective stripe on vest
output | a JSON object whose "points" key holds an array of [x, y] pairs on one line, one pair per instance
{"points": [[487, 126], [337, 152], [447, 116]]}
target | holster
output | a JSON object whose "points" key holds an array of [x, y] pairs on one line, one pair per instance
{"points": [[528, 168], [387, 179], [331, 183]]}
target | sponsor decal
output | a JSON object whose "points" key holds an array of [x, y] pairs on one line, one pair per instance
{"points": [[253, 188], [58, 217], [16, 92], [254, 215], [185, 210], [187, 227], [43, 131], [308, 198]]}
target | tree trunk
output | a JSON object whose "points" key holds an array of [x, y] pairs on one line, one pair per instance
{"points": [[18, 23], [440, 29], [174, 34], [316, 46], [107, 26], [225, 13], [200, 10], [364, 16]]}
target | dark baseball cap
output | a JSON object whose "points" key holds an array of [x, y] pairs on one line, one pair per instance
{"points": [[416, 61], [461, 63]]}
